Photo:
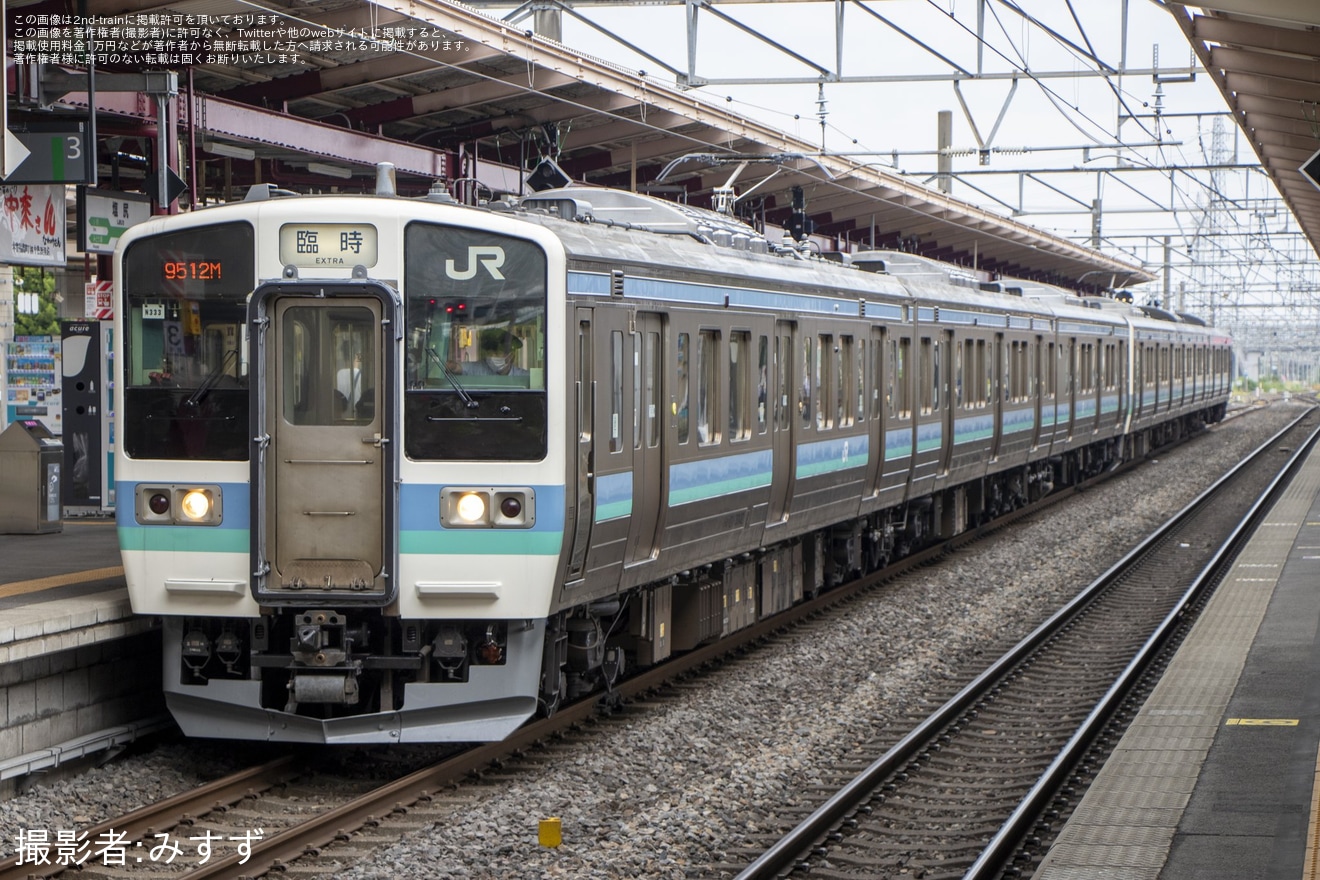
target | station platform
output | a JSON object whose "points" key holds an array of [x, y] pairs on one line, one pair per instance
{"points": [[78, 673], [1219, 774]]}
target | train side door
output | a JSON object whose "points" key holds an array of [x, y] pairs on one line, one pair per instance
{"points": [[583, 499], [997, 392], [876, 410], [943, 384], [324, 446], [642, 371], [611, 455], [1070, 385], [1037, 389], [782, 389], [900, 423]]}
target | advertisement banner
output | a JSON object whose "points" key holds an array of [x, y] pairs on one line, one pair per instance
{"points": [[32, 227]]}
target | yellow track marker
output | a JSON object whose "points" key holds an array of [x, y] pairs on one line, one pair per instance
{"points": [[550, 832]]}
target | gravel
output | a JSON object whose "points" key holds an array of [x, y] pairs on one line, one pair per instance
{"points": [[670, 789]]}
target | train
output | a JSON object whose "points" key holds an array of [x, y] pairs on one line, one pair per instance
{"points": [[403, 470]]}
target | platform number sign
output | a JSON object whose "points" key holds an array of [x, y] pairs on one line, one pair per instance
{"points": [[56, 154]]}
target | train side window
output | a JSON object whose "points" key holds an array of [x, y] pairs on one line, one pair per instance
{"points": [[616, 391], [831, 352], [958, 370], [820, 371], [878, 376], [681, 371], [1052, 372], [651, 359], [783, 354], [843, 356], [637, 388], [583, 381], [739, 361], [1069, 359], [762, 382], [902, 385], [936, 376], [804, 395], [859, 376], [924, 377], [708, 370]]}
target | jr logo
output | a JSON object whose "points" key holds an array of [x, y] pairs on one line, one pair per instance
{"points": [[489, 257]]}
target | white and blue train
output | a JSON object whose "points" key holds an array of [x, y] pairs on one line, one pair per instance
{"points": [[400, 470]]}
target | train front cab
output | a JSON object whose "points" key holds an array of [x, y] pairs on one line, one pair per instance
{"points": [[378, 561]]}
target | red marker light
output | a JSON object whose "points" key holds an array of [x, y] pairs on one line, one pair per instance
{"points": [[159, 503], [511, 507]]}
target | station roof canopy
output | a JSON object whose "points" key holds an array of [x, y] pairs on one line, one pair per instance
{"points": [[1265, 57], [503, 96]]}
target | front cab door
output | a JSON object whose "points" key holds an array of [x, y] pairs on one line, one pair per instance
{"points": [[323, 463]]}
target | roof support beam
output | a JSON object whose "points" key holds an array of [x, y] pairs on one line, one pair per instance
{"points": [[252, 124]]}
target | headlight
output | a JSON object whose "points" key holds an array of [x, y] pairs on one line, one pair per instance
{"points": [[196, 504], [178, 505], [471, 507]]}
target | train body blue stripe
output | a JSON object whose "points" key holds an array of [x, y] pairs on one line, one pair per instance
{"points": [[596, 284], [693, 481], [930, 436], [1018, 420], [614, 496], [898, 443], [972, 428], [833, 455]]}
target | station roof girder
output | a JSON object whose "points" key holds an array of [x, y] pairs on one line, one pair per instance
{"points": [[610, 124]]}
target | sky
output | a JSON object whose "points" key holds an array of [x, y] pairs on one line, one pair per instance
{"points": [[1050, 123]]}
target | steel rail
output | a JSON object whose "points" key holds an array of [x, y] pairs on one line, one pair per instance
{"points": [[1005, 842], [844, 802], [171, 811], [289, 844]]}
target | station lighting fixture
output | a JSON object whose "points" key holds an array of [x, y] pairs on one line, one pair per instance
{"points": [[229, 150], [330, 170]]}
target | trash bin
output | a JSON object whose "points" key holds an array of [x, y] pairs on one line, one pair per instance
{"points": [[30, 463]]}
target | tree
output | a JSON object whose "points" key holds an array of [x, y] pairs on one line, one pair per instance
{"points": [[46, 322]]}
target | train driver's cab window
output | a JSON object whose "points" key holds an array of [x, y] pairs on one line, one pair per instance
{"points": [[475, 343], [476, 310], [186, 348]]}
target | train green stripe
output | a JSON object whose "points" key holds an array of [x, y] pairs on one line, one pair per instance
{"points": [[482, 542], [184, 539]]}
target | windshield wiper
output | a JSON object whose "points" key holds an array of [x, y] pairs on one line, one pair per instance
{"points": [[194, 400], [467, 398]]}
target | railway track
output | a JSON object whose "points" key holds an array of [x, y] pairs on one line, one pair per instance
{"points": [[310, 821], [975, 789]]}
